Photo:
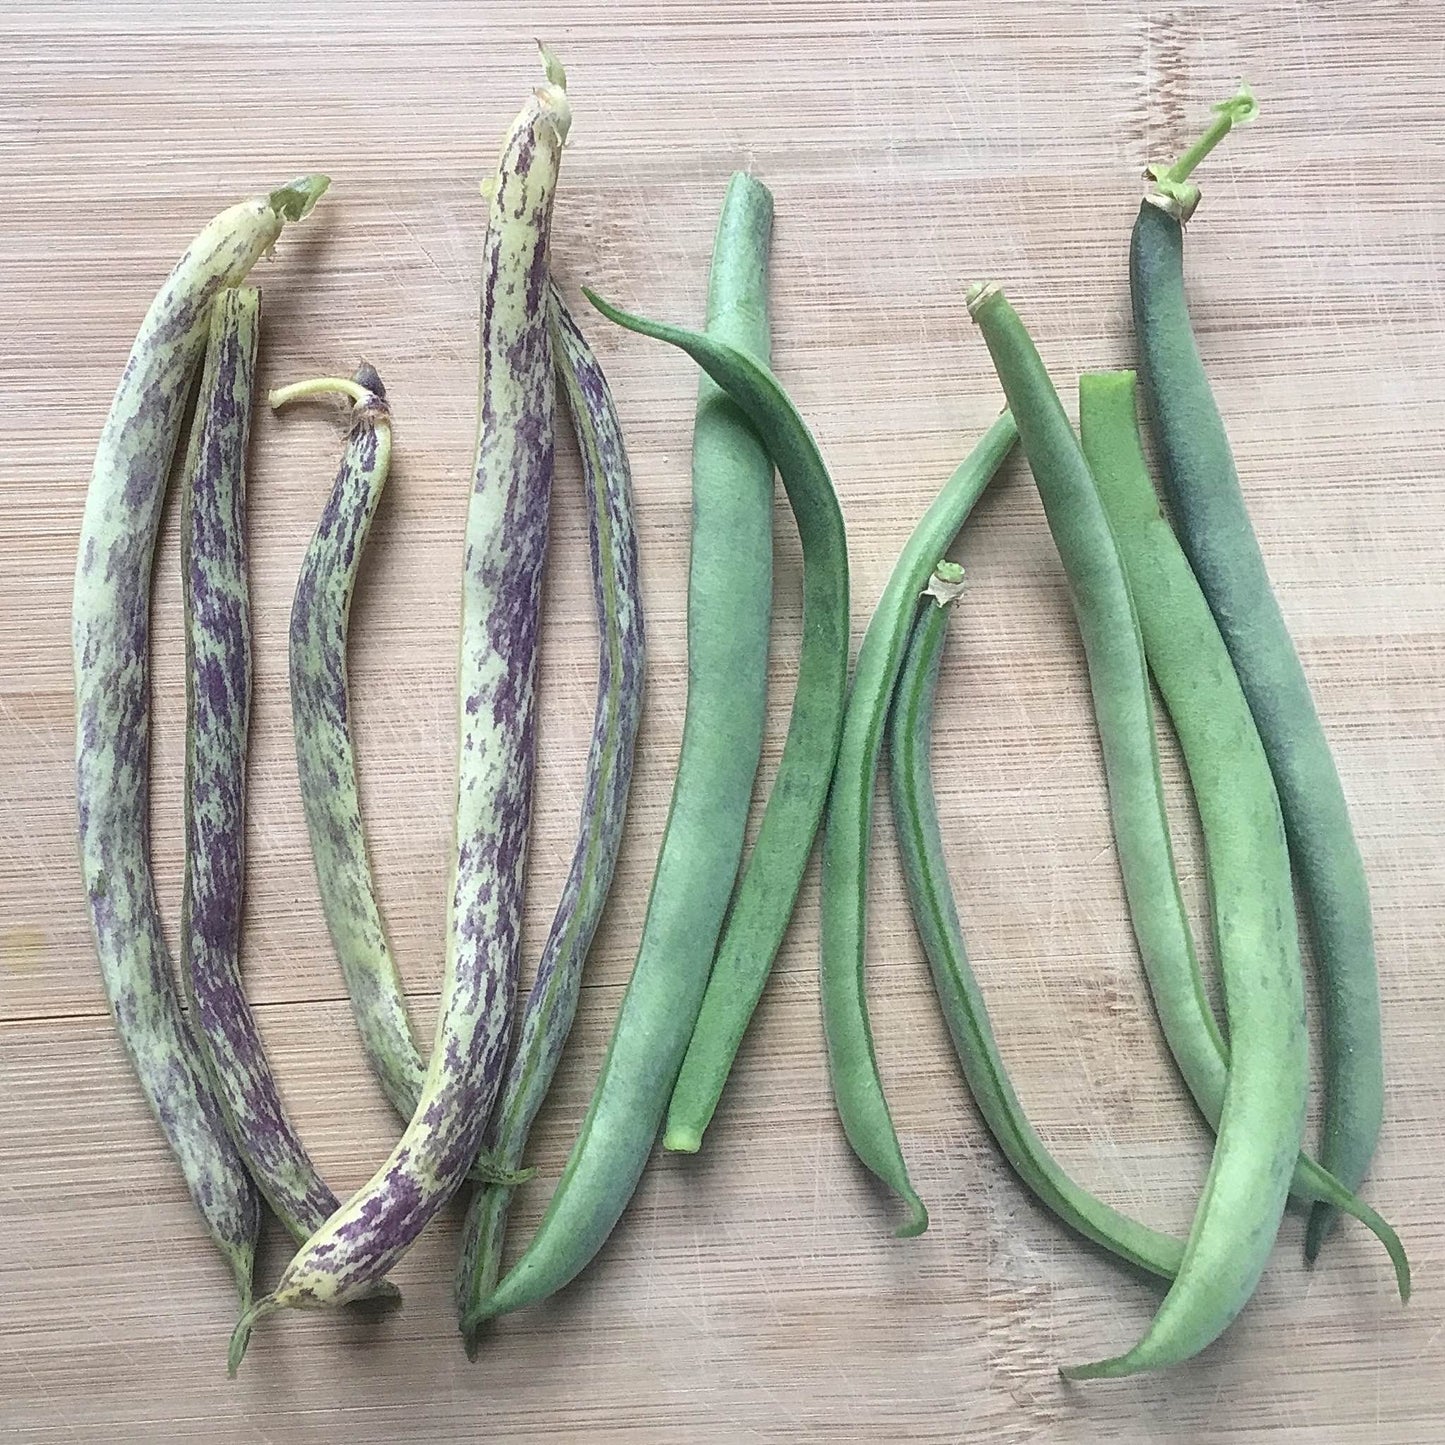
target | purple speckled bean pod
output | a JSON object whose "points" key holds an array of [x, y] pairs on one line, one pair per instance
{"points": [[321, 723], [218, 701], [552, 1002], [501, 601], [111, 639]]}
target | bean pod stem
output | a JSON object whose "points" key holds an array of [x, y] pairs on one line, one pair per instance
{"points": [[1207, 504], [502, 573], [621, 664], [111, 640], [935, 913]]}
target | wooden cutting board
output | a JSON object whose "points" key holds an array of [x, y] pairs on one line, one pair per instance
{"points": [[754, 1292]]}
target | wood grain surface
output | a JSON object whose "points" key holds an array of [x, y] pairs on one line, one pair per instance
{"points": [[754, 1292]]}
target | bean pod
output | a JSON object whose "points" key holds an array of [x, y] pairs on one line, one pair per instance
{"points": [[111, 639], [1208, 507], [1262, 1120], [852, 1060], [218, 700], [1249, 875], [502, 573], [935, 913], [660, 1007], [321, 727], [552, 1002]]}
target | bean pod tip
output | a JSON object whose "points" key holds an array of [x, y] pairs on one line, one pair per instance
{"points": [[297, 198]]}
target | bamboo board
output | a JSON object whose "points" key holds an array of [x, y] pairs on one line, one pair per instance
{"points": [[754, 1292]]}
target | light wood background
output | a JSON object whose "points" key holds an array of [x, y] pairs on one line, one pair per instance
{"points": [[754, 1292]]}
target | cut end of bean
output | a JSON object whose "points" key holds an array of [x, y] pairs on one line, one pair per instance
{"points": [[296, 198], [917, 1220], [682, 1139], [979, 293], [946, 585]]}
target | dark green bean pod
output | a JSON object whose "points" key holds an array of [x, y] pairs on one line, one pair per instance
{"points": [[1209, 511]]}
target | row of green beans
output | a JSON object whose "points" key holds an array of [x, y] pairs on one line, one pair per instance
{"points": [[1186, 603]]}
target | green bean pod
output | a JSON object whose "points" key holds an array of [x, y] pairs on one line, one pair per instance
{"points": [[661, 1005], [621, 667], [111, 639], [1249, 874], [1208, 507], [1262, 1121], [935, 913], [769, 887], [852, 1060], [1118, 680]]}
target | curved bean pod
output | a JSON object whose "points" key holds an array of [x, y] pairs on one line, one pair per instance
{"points": [[1118, 681], [218, 702], [502, 574], [218, 696], [925, 870], [1260, 1126], [552, 1002], [1208, 507], [852, 1061], [663, 997], [321, 725], [111, 639], [1248, 864], [745, 950]]}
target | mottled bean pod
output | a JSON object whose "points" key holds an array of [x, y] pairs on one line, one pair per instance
{"points": [[552, 1003], [501, 594], [111, 639]]}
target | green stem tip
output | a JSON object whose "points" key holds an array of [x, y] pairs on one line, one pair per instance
{"points": [[241, 1335], [323, 386], [555, 73], [296, 198], [917, 1220], [1172, 180]]}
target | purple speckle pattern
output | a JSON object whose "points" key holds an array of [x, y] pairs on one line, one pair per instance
{"points": [[552, 1002], [502, 574], [218, 697], [325, 761], [111, 640]]}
